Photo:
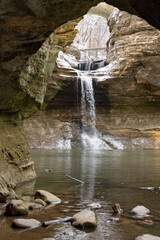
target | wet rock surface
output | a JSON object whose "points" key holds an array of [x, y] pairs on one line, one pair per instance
{"points": [[25, 223], [40, 201], [47, 197], [84, 219], [35, 206], [147, 237], [140, 211], [16, 207]]}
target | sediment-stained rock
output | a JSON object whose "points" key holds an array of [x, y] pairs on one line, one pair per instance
{"points": [[132, 82], [16, 207], [25, 223], [47, 196], [23, 80], [84, 219]]}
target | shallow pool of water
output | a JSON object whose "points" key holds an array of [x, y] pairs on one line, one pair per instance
{"points": [[109, 177]]}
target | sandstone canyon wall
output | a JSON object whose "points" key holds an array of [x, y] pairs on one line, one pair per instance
{"points": [[126, 90], [24, 27]]}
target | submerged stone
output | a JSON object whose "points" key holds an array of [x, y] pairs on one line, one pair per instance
{"points": [[47, 196], [84, 219], [25, 223]]}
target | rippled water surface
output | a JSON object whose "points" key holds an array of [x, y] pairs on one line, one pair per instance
{"points": [[109, 177]]}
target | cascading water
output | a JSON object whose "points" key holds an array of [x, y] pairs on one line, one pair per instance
{"points": [[90, 136]]}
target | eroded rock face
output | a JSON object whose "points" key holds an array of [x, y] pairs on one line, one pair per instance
{"points": [[59, 126], [133, 55], [16, 165], [23, 82], [126, 91], [144, 9]]}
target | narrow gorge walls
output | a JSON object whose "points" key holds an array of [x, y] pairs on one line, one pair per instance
{"points": [[132, 81]]}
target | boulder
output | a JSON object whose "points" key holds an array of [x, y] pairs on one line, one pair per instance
{"points": [[84, 219], [25, 223], [147, 237], [47, 196], [16, 207], [40, 201], [140, 211]]}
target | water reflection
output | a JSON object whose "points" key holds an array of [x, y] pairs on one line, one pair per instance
{"points": [[109, 176]]}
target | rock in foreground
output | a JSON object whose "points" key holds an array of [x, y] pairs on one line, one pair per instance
{"points": [[84, 219], [47, 196], [25, 223], [147, 237], [140, 211], [16, 208]]}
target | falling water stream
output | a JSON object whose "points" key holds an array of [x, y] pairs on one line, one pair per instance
{"points": [[90, 136]]}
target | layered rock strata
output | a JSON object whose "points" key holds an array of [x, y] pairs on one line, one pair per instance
{"points": [[126, 92], [132, 82], [59, 125], [23, 82]]}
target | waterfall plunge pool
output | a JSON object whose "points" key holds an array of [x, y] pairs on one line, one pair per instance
{"points": [[109, 177]]}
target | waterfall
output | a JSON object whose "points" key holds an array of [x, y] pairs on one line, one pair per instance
{"points": [[90, 136]]}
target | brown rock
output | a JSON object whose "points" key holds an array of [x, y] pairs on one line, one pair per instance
{"points": [[40, 201], [84, 219], [35, 206], [16, 207], [25, 223], [47, 196]]}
